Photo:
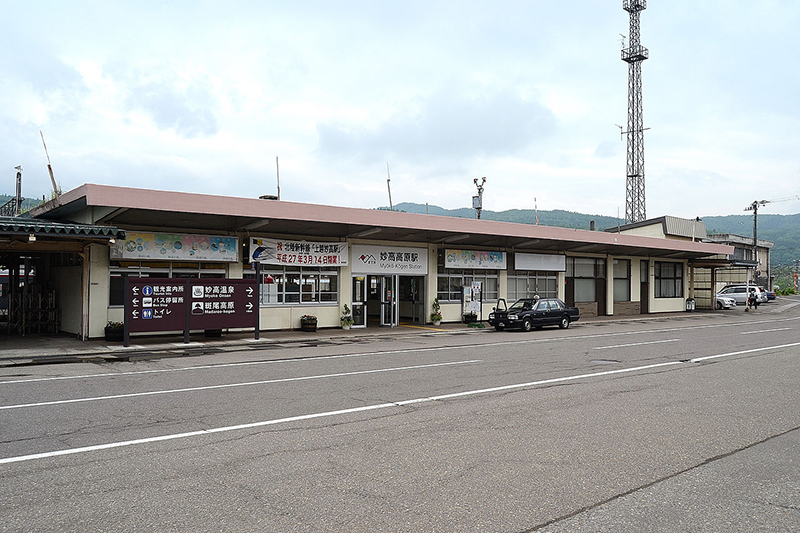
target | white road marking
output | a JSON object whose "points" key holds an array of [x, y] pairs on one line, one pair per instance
{"points": [[754, 350], [325, 414], [388, 352], [232, 385], [764, 331], [634, 344]]}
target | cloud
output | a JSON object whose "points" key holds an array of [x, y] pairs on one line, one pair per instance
{"points": [[186, 111], [608, 149], [174, 99], [448, 125]]}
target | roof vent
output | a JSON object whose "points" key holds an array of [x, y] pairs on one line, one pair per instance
{"points": [[268, 197]]}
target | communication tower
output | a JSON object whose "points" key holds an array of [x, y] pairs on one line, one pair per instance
{"points": [[633, 56]]}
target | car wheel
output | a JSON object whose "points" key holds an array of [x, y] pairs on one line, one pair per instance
{"points": [[499, 328], [719, 305], [564, 324], [527, 325]]}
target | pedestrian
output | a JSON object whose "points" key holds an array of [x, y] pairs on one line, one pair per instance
{"points": [[751, 300]]}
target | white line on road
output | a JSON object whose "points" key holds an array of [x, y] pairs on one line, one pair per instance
{"points": [[231, 385], [633, 344], [764, 331], [110, 445], [325, 414], [754, 350]]}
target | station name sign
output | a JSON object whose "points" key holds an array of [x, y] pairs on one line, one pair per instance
{"points": [[383, 259]]}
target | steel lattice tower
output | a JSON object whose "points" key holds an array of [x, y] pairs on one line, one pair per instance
{"points": [[634, 55]]}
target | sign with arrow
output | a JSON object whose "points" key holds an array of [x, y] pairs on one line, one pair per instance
{"points": [[184, 304], [222, 303], [155, 304]]}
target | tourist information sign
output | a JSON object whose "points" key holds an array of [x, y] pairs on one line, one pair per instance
{"points": [[184, 304]]}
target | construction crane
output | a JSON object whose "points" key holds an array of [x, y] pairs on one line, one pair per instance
{"points": [[754, 208], [56, 189]]}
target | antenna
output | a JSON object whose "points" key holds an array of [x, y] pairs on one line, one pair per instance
{"points": [[56, 189], [634, 54], [622, 40], [536, 210], [389, 186], [278, 172]]}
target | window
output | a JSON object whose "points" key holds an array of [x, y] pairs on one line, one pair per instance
{"points": [[528, 283], [622, 280], [586, 271], [668, 280], [450, 282], [120, 270], [295, 285]]}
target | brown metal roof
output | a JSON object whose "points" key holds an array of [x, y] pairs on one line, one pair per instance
{"points": [[170, 210]]}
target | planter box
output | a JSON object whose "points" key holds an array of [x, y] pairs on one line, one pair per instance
{"points": [[308, 325], [114, 334]]}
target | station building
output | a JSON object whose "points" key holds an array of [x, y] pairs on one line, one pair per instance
{"points": [[387, 266]]}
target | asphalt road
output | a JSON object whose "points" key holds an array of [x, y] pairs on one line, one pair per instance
{"points": [[680, 424]]}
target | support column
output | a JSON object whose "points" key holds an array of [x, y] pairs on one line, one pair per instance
{"points": [[610, 286]]}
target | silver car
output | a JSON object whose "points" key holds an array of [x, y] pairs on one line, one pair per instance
{"points": [[725, 302], [739, 293]]}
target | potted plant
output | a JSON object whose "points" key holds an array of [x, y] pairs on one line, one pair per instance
{"points": [[436, 313], [114, 331], [347, 318], [308, 323]]}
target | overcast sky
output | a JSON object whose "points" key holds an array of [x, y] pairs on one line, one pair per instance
{"points": [[201, 96]]}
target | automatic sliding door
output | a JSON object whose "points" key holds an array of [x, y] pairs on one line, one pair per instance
{"points": [[359, 301], [389, 301]]}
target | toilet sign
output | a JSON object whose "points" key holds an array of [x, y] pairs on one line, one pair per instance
{"points": [[155, 304]]}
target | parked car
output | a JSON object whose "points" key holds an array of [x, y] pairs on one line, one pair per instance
{"points": [[725, 302], [529, 313], [770, 294], [739, 293]]}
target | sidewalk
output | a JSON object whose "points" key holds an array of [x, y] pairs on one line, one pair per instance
{"points": [[37, 349]]}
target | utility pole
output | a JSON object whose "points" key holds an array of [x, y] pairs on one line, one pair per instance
{"points": [[18, 196], [634, 55], [477, 201], [754, 208], [389, 186]]}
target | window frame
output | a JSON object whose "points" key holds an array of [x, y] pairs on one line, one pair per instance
{"points": [[668, 279]]}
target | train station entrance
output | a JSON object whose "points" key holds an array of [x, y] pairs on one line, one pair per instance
{"points": [[388, 285], [388, 300]]}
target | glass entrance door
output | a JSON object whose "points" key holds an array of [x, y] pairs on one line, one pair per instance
{"points": [[389, 301], [359, 298]]}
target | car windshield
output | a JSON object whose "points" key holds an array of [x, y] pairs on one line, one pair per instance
{"points": [[521, 305]]}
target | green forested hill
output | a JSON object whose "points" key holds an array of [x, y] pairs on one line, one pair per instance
{"points": [[783, 230], [27, 203]]}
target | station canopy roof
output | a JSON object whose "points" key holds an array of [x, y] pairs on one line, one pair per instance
{"points": [[170, 211], [26, 234]]}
